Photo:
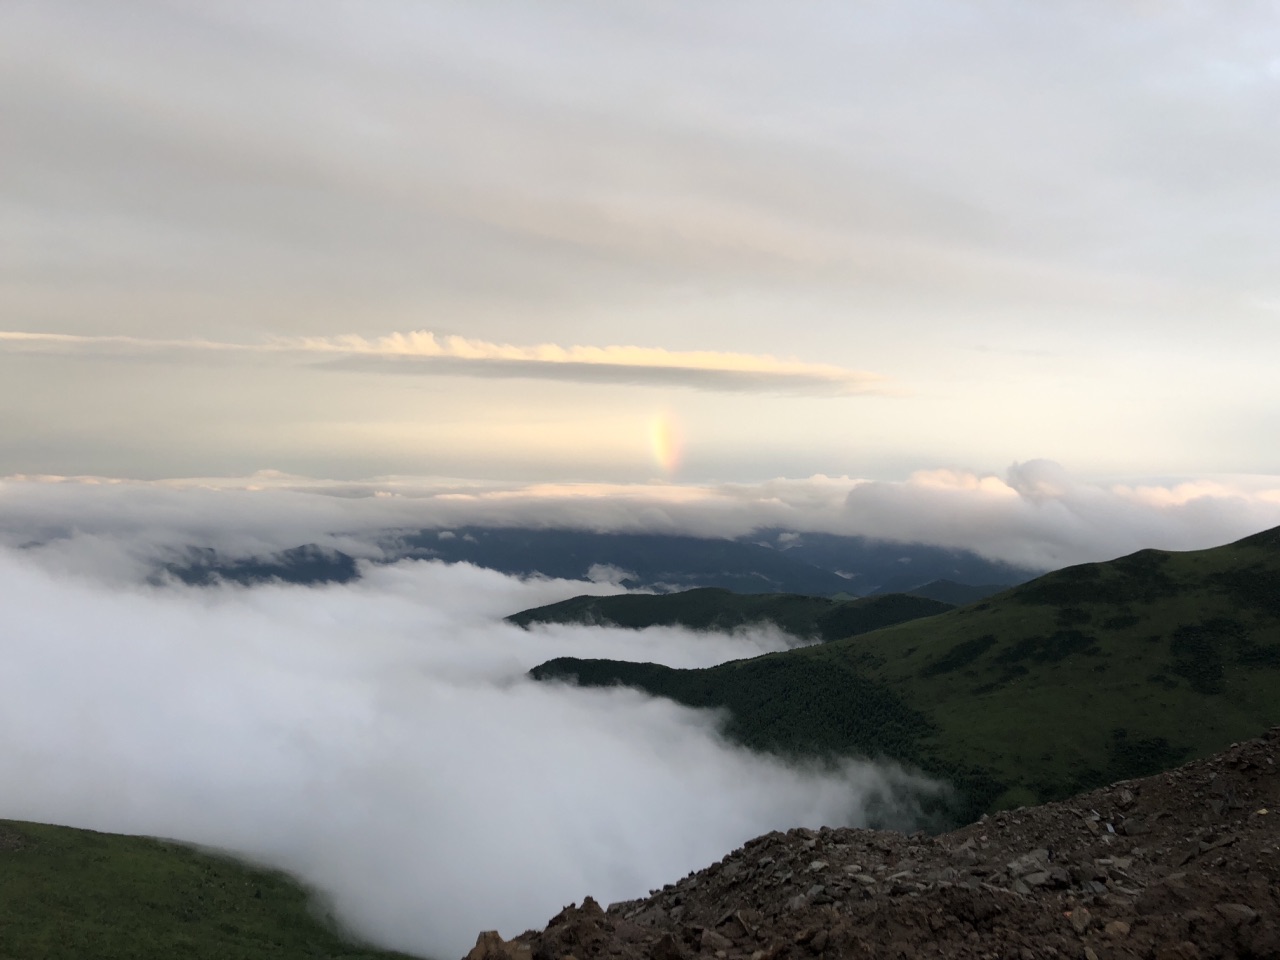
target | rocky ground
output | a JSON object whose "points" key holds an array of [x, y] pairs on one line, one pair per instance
{"points": [[1179, 866]]}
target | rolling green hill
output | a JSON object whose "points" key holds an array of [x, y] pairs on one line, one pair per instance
{"points": [[957, 594], [1083, 676], [77, 893], [713, 608]]}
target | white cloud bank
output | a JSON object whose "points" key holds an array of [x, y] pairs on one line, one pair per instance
{"points": [[1037, 514], [381, 742]]}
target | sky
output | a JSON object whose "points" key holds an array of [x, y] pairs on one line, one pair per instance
{"points": [[994, 275], [633, 242]]}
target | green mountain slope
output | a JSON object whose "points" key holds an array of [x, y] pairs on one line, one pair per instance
{"points": [[712, 608], [77, 893], [958, 594], [1083, 676]]}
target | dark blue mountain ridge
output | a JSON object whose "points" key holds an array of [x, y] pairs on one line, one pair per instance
{"points": [[767, 561]]}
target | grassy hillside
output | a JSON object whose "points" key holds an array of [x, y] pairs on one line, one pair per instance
{"points": [[1082, 676], [957, 594], [77, 893], [712, 608]]}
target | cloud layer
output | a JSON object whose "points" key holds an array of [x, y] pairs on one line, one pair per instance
{"points": [[379, 739], [1037, 514], [380, 742]]}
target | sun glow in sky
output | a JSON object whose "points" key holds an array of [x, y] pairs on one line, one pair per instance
{"points": [[666, 441]]}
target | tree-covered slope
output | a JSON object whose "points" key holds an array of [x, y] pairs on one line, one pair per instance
{"points": [[1075, 679], [77, 893], [712, 608]]}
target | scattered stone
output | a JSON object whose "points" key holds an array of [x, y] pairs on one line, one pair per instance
{"points": [[666, 947], [1134, 827], [1236, 913], [714, 941], [491, 946]]}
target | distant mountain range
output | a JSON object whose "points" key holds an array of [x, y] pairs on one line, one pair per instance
{"points": [[1090, 674], [768, 562], [308, 564]]}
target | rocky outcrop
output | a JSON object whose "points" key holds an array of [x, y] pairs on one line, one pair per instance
{"points": [[1181, 866]]}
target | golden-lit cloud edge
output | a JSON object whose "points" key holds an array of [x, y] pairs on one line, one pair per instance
{"points": [[428, 353]]}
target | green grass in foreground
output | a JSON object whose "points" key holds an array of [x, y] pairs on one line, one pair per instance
{"points": [[67, 893], [1086, 675]]}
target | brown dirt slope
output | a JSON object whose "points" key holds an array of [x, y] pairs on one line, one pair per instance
{"points": [[1184, 865]]}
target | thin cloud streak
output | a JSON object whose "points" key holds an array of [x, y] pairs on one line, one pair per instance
{"points": [[422, 351]]}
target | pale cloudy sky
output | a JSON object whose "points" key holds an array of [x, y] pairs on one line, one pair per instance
{"points": [[612, 242]]}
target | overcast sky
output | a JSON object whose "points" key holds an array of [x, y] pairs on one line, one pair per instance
{"points": [[994, 274], [616, 242]]}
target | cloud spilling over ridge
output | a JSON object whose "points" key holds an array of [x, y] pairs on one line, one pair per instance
{"points": [[1037, 514], [424, 352], [380, 741]]}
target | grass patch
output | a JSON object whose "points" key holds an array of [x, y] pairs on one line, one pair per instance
{"points": [[961, 655], [78, 893]]}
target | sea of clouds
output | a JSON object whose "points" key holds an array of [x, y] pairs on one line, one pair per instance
{"points": [[380, 739]]}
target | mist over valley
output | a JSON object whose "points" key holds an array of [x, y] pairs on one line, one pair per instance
{"points": [[374, 729]]}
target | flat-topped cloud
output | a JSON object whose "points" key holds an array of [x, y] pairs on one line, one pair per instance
{"points": [[425, 353]]}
